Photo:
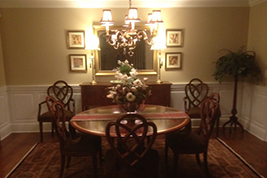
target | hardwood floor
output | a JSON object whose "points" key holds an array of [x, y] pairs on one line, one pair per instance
{"points": [[253, 150]]}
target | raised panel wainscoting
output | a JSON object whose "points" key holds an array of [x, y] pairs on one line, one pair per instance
{"points": [[19, 106]]}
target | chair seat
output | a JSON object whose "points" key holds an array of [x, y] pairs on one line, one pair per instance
{"points": [[194, 112], [145, 168], [47, 117], [186, 142]]}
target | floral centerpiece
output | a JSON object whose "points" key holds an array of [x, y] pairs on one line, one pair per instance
{"points": [[130, 90]]}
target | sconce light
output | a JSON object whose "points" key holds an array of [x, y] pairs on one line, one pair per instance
{"points": [[158, 46], [93, 45]]}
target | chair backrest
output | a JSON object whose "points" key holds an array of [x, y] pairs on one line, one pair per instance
{"points": [[131, 132], [195, 92], [209, 114], [61, 91], [215, 97], [57, 110]]}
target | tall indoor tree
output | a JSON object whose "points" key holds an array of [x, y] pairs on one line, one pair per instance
{"points": [[237, 64]]}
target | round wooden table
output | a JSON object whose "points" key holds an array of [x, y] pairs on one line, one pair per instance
{"points": [[94, 121]]}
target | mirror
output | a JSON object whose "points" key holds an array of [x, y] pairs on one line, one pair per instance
{"points": [[144, 59]]}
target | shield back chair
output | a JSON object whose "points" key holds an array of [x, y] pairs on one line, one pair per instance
{"points": [[131, 155], [196, 91], [194, 142], [85, 145], [61, 91]]}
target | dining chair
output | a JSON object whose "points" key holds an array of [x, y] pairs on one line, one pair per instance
{"points": [[80, 146], [61, 91], [131, 155], [194, 142], [215, 97], [196, 91]]}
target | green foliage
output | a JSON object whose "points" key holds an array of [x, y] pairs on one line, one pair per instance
{"points": [[241, 63]]}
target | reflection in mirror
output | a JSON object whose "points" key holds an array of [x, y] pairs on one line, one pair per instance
{"points": [[144, 59]]}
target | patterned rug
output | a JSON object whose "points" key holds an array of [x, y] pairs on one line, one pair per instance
{"points": [[44, 162]]}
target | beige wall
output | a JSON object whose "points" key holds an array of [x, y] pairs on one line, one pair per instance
{"points": [[257, 38], [35, 52], [2, 70]]}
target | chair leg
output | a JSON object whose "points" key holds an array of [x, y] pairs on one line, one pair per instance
{"points": [[53, 128], [217, 127], [41, 131], [198, 159], [68, 161], [100, 153], [166, 152], [95, 166], [175, 164], [62, 166], [205, 154]]}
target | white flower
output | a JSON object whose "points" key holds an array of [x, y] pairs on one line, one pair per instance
{"points": [[111, 96], [133, 89], [130, 97], [138, 83]]}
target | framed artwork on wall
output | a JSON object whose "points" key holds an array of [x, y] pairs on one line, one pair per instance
{"points": [[78, 63], [174, 38], [76, 39], [173, 60]]}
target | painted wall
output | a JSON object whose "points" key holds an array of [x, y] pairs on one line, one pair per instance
{"points": [[257, 35], [2, 69], [35, 50], [254, 97]]}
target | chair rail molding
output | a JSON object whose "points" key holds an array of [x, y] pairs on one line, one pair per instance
{"points": [[19, 106]]}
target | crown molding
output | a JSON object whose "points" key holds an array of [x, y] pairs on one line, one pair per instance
{"points": [[123, 3]]}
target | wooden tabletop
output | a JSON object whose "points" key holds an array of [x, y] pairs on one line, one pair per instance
{"points": [[94, 121]]}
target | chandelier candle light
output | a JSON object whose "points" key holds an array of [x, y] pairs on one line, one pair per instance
{"points": [[128, 37]]}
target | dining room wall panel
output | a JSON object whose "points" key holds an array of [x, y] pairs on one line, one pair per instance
{"points": [[23, 106]]}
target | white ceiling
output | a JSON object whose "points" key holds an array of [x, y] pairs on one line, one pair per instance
{"points": [[125, 3]]}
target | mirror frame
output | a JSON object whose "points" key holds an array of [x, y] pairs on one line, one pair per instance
{"points": [[99, 72]]}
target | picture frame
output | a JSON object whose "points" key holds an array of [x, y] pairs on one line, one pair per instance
{"points": [[174, 37], [76, 39], [173, 61], [78, 62]]}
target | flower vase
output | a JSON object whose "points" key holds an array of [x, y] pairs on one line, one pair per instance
{"points": [[130, 106]]}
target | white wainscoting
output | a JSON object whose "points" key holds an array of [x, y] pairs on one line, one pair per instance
{"points": [[254, 110], [5, 128], [19, 106]]}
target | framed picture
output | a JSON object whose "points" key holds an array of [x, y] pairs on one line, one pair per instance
{"points": [[175, 38], [173, 60], [76, 39], [78, 63]]}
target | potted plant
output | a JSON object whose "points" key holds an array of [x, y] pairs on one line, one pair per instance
{"points": [[237, 64]]}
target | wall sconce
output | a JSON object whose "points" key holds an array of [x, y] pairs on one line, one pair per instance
{"points": [[93, 45], [158, 46]]}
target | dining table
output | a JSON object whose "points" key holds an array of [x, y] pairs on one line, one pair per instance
{"points": [[93, 121]]}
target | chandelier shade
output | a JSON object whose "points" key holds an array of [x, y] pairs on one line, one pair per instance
{"points": [[107, 18], [129, 36]]}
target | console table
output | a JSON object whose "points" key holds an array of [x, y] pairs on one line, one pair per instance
{"points": [[96, 95]]}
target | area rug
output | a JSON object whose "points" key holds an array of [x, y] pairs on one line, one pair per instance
{"points": [[44, 162]]}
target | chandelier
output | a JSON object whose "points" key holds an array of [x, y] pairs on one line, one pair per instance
{"points": [[129, 36]]}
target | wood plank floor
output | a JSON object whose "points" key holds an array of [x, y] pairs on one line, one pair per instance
{"points": [[253, 150]]}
